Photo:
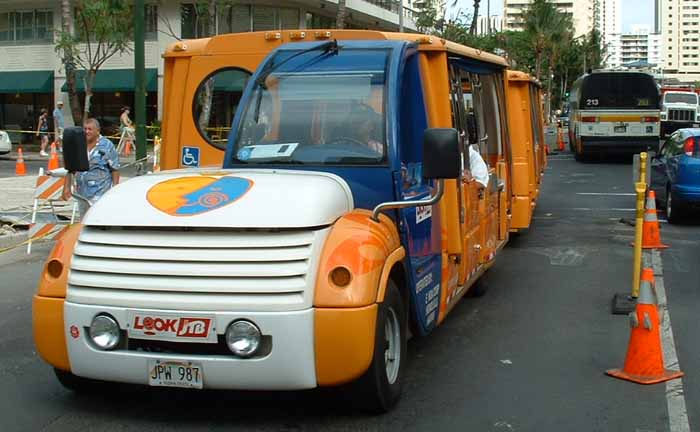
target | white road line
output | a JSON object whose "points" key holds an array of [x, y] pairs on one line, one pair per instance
{"points": [[599, 209], [675, 395], [606, 193]]}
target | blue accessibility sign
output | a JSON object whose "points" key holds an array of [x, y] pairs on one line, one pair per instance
{"points": [[190, 156]]}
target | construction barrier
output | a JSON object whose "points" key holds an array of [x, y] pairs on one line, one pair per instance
{"points": [[49, 190]]}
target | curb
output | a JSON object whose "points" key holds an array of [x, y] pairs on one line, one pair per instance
{"points": [[9, 240]]}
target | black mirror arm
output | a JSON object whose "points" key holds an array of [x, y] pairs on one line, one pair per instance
{"points": [[414, 203]]}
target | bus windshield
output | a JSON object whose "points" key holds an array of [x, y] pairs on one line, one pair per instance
{"points": [[685, 98], [317, 108], [619, 91]]}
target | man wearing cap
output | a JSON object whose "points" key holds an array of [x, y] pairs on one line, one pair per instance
{"points": [[58, 124]]}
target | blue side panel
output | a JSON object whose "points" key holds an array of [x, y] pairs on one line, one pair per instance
{"points": [[420, 226]]}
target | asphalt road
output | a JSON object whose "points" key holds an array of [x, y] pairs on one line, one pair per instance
{"points": [[528, 356]]}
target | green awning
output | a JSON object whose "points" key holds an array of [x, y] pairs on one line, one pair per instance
{"points": [[113, 80], [26, 82]]}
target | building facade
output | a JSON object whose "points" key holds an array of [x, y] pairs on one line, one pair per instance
{"points": [[487, 25], [639, 49], [32, 75], [680, 38], [582, 13], [608, 20]]}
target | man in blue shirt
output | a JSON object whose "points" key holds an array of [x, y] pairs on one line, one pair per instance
{"points": [[58, 124], [104, 166]]}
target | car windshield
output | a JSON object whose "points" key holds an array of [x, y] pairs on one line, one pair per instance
{"points": [[317, 108], [686, 98]]}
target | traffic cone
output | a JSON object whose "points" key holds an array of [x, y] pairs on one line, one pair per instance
{"points": [[644, 363], [560, 138], [127, 148], [651, 235], [53, 160], [20, 168]]}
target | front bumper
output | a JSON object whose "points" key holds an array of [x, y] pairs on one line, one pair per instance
{"points": [[690, 195], [621, 145], [290, 365]]}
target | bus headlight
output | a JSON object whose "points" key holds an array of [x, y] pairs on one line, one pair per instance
{"points": [[243, 338], [104, 332]]}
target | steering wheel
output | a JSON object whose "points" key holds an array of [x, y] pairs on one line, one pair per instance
{"points": [[356, 144]]}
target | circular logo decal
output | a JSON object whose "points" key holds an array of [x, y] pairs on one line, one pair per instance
{"points": [[190, 196], [74, 332]]}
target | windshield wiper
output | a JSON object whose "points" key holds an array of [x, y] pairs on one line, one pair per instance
{"points": [[327, 47]]}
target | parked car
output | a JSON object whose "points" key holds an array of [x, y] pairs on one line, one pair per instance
{"points": [[675, 173], [5, 143]]}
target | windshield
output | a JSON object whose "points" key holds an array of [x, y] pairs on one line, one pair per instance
{"points": [[619, 91], [317, 108], [686, 98]]}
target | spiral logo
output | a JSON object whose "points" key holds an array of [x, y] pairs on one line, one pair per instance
{"points": [[212, 199]]}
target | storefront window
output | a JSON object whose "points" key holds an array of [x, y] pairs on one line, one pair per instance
{"points": [[237, 19]]}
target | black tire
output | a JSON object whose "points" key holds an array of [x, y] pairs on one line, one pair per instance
{"points": [[674, 207], [480, 287], [375, 391], [75, 383]]}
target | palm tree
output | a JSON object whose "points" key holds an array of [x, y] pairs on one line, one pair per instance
{"points": [[547, 28]]}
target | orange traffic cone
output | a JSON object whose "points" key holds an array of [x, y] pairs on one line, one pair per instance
{"points": [[651, 235], [127, 148], [53, 160], [560, 138], [20, 168], [644, 363]]}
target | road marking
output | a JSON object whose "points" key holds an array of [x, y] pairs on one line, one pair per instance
{"points": [[675, 395], [606, 193], [599, 209]]}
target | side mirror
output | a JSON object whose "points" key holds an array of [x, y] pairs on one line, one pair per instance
{"points": [[75, 155], [441, 157]]}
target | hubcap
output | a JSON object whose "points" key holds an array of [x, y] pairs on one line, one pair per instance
{"points": [[392, 352]]}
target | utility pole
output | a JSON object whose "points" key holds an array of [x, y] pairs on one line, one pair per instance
{"points": [[140, 79], [488, 17], [401, 16]]}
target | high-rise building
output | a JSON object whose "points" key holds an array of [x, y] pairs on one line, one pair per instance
{"points": [[638, 49], [608, 19], [582, 13], [492, 24], [680, 38]]}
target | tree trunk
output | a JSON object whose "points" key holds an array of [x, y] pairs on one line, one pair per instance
{"points": [[340, 17], [475, 17], [69, 63], [88, 81], [208, 89]]}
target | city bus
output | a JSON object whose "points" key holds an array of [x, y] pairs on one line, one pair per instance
{"points": [[344, 215], [614, 112]]}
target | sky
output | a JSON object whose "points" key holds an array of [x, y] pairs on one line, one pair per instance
{"points": [[633, 11]]}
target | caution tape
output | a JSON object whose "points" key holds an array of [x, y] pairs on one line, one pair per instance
{"points": [[30, 240]]}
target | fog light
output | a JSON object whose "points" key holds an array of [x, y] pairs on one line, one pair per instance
{"points": [[243, 338], [104, 332], [54, 268], [341, 276]]}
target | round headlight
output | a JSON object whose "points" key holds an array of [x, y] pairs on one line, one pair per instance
{"points": [[104, 332], [243, 338]]}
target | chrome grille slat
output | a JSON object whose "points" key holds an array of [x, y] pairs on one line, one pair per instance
{"points": [[155, 253], [681, 114], [195, 269]]}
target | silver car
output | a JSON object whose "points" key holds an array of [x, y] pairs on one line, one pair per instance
{"points": [[5, 143]]}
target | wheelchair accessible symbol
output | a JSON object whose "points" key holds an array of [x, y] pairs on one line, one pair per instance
{"points": [[190, 156]]}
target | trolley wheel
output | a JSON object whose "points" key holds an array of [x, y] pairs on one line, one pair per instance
{"points": [[379, 389]]}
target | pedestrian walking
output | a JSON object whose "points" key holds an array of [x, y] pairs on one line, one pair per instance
{"points": [[103, 172], [42, 131], [58, 124]]}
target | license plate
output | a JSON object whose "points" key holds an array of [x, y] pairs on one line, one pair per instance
{"points": [[619, 129], [169, 373]]}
